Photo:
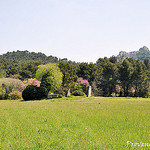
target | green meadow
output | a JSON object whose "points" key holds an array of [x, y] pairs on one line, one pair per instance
{"points": [[75, 123]]}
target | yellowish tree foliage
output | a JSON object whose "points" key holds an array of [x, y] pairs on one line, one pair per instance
{"points": [[50, 76]]}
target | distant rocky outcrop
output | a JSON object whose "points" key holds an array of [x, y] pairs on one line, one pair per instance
{"points": [[143, 53]]}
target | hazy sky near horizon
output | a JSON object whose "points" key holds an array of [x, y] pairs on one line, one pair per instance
{"points": [[80, 30]]}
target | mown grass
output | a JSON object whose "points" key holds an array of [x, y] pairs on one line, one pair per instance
{"points": [[75, 123]]}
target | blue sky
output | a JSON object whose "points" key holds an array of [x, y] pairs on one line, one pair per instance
{"points": [[80, 30]]}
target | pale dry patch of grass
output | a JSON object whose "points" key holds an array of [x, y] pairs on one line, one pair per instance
{"points": [[9, 82]]}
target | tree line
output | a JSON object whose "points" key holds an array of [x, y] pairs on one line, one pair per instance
{"points": [[108, 75]]}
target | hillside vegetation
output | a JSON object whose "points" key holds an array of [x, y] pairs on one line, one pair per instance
{"points": [[27, 56], [127, 77]]}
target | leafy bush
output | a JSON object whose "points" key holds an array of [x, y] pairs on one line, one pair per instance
{"points": [[32, 92], [15, 76], [83, 82], [41, 92], [9, 85], [31, 81], [78, 93], [29, 93], [61, 91], [79, 87], [84, 85], [15, 95], [14, 83], [2, 93]]}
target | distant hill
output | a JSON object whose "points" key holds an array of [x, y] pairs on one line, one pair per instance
{"points": [[143, 53], [18, 55], [27, 56]]}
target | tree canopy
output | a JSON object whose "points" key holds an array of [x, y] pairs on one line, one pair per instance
{"points": [[130, 76], [50, 76]]}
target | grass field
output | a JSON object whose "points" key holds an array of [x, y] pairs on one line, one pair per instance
{"points": [[75, 124]]}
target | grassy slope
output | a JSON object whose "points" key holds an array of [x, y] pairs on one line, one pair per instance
{"points": [[74, 123]]}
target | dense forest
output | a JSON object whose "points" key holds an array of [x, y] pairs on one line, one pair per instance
{"points": [[128, 77]]}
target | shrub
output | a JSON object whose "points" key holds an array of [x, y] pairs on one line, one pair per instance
{"points": [[84, 84], [2, 93], [41, 92], [32, 92], [78, 93], [15, 76], [29, 93], [15, 95], [61, 91], [10, 85], [31, 81], [15, 83], [79, 88]]}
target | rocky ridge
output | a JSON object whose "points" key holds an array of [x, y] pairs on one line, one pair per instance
{"points": [[143, 53]]}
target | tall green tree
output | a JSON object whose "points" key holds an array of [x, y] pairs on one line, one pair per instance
{"points": [[2, 70], [109, 76], [69, 73], [92, 73], [28, 69], [95, 78], [140, 79], [50, 76], [84, 71], [126, 71], [147, 63]]}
